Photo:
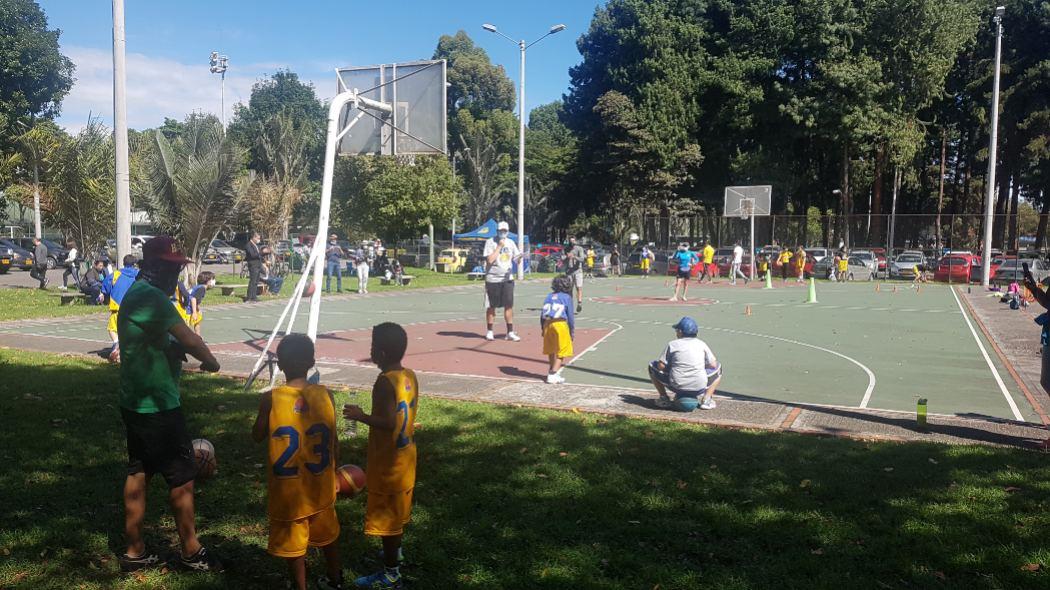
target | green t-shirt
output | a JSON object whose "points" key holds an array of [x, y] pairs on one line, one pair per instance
{"points": [[149, 367]]}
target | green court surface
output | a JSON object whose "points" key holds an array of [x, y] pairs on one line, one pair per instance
{"points": [[856, 347]]}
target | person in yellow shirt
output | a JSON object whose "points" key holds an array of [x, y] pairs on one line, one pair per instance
{"points": [[591, 254], [707, 261], [391, 468], [784, 260], [843, 266], [800, 264], [298, 419], [763, 265]]}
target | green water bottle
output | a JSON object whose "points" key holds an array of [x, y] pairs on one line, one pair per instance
{"points": [[920, 413]]}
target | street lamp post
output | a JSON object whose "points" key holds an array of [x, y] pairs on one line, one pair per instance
{"points": [[219, 64], [522, 47], [993, 142]]}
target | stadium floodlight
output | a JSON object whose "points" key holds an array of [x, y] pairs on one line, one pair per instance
{"points": [[219, 64], [993, 145], [522, 47]]}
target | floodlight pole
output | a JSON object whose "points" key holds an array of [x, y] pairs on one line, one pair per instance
{"points": [[120, 134], [993, 142], [219, 65]]}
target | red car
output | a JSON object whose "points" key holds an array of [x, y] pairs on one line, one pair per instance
{"points": [[548, 250], [959, 267], [725, 265], [694, 271]]}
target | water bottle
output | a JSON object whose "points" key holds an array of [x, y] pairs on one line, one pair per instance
{"points": [[920, 413]]}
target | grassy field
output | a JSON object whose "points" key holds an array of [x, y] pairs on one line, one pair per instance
{"points": [[23, 303], [519, 498]]}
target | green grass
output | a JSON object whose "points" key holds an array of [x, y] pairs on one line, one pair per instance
{"points": [[26, 303], [519, 498]]}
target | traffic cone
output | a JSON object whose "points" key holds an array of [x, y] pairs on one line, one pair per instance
{"points": [[747, 310], [812, 291], [769, 279]]}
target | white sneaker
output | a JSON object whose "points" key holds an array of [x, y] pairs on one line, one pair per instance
{"points": [[555, 379], [684, 299], [673, 299], [489, 335], [512, 337], [708, 405]]}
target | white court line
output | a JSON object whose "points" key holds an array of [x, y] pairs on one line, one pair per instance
{"points": [[987, 359], [595, 345], [871, 376]]}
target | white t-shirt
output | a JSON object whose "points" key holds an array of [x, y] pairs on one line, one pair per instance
{"points": [[687, 360], [502, 270], [738, 255]]}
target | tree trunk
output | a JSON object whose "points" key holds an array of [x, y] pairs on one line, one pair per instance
{"points": [[1000, 195], [1044, 215], [940, 191], [1013, 218]]}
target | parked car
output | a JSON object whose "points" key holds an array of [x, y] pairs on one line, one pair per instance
{"points": [[213, 256], [856, 269], [903, 267], [6, 256], [869, 258], [1012, 270], [20, 257], [725, 266], [958, 267], [56, 253], [817, 254], [232, 254], [452, 260], [548, 250]]}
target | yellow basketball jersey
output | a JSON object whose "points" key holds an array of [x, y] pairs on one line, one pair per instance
{"points": [[392, 453], [302, 437], [113, 305]]}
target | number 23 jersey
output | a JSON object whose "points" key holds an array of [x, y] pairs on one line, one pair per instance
{"points": [[302, 452], [392, 453]]}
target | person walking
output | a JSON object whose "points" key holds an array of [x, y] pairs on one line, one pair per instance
{"points": [[361, 260], [253, 258], [574, 260], [645, 261], [734, 269], [500, 255], [154, 341], [39, 270], [800, 263], [72, 264], [614, 261], [333, 265], [685, 260]]}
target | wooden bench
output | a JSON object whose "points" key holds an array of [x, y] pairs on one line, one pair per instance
{"points": [[406, 280], [475, 276], [70, 297]]}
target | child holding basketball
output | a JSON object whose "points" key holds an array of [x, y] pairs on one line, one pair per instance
{"points": [[391, 467], [298, 420], [559, 327]]}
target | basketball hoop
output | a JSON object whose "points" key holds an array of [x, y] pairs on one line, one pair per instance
{"points": [[747, 202]]}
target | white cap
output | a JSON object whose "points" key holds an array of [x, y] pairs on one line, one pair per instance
{"points": [[503, 225]]}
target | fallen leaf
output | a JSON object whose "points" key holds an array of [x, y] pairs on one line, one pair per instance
{"points": [[7, 551], [887, 469], [1012, 489], [804, 483], [634, 522], [524, 450], [563, 454], [1032, 567], [817, 551], [541, 475]]}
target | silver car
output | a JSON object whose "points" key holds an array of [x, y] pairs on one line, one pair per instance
{"points": [[1012, 270], [857, 269], [903, 267], [869, 259]]}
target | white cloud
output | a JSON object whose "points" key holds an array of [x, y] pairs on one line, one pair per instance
{"points": [[156, 88]]}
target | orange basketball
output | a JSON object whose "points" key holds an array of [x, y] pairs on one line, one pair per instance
{"points": [[349, 480], [310, 288], [204, 452]]}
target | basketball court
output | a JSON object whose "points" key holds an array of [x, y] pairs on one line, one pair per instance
{"points": [[855, 348]]}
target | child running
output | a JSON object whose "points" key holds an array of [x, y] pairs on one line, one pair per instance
{"points": [[298, 420], [205, 280], [685, 259], [391, 468], [559, 327]]}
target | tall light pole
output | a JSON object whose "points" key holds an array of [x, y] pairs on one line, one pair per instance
{"points": [[219, 64], [993, 143], [120, 134], [522, 47]]}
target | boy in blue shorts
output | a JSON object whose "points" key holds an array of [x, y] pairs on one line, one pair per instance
{"points": [[559, 327], [685, 259], [687, 368]]}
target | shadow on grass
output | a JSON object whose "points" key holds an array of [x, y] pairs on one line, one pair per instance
{"points": [[519, 498]]}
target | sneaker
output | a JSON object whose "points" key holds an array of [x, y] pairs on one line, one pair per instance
{"points": [[673, 299], [380, 581], [489, 335], [512, 337], [684, 299], [325, 583], [708, 404], [134, 564], [663, 403], [202, 561], [555, 379]]}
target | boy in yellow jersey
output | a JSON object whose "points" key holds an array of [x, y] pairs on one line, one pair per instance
{"points": [[298, 419], [784, 260], [115, 287], [843, 266], [391, 464]]}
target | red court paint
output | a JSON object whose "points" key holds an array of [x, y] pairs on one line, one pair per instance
{"points": [[457, 347]]}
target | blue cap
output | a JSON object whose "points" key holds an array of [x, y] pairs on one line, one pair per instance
{"points": [[687, 326]]}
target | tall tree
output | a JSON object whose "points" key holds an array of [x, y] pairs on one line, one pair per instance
{"points": [[78, 197]]}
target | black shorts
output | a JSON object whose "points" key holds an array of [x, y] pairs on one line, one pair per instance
{"points": [[159, 443], [500, 294], [683, 274]]}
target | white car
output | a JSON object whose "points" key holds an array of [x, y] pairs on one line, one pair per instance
{"points": [[903, 267], [869, 259]]}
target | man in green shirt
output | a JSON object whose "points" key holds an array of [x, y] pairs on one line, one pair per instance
{"points": [[153, 343]]}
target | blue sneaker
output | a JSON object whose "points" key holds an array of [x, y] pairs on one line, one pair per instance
{"points": [[380, 581]]}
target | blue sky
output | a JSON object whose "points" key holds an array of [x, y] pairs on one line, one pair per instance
{"points": [[168, 43]]}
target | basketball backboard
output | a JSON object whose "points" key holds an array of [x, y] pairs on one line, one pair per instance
{"points": [[412, 119], [748, 201]]}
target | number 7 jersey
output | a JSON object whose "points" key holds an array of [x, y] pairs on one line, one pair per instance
{"points": [[302, 441], [392, 453]]}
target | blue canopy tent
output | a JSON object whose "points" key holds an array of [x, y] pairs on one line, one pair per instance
{"points": [[488, 230]]}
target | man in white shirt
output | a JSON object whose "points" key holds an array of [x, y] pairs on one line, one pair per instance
{"points": [[500, 255], [738, 259], [687, 368]]}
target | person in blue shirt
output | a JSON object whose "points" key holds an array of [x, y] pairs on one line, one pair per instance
{"points": [[559, 327], [685, 259]]}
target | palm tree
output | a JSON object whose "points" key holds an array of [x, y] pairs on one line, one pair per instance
{"points": [[79, 193], [37, 146], [192, 193]]}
